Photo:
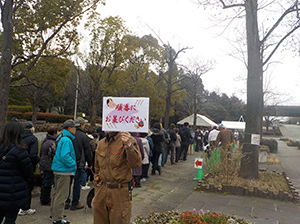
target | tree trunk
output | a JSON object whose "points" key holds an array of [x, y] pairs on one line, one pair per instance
{"points": [[94, 112], [34, 112], [195, 106], [168, 103], [249, 163], [5, 70]]}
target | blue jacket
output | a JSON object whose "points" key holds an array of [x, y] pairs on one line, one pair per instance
{"points": [[64, 160]]}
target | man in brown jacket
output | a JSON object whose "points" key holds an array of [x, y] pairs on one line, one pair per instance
{"points": [[226, 138], [116, 155]]}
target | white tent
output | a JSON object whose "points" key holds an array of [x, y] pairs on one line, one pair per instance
{"points": [[201, 120], [239, 125]]}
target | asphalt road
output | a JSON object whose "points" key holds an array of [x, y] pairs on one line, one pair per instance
{"points": [[290, 131]]}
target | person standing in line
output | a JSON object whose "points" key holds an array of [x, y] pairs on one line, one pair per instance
{"points": [[177, 146], [226, 138], [212, 137], [63, 166], [116, 155], [45, 165], [33, 149], [186, 137], [162, 157], [158, 141], [198, 140], [15, 170], [191, 143], [145, 161], [170, 150], [83, 154], [137, 172]]}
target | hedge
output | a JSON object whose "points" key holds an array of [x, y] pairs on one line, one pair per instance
{"points": [[272, 143], [21, 109], [48, 117]]}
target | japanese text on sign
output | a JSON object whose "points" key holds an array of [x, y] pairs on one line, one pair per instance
{"points": [[125, 114]]}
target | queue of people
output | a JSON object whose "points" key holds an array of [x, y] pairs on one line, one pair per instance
{"points": [[116, 161]]}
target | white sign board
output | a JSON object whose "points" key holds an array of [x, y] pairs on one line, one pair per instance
{"points": [[125, 114], [255, 139], [198, 163]]}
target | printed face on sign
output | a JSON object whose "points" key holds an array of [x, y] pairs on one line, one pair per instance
{"points": [[125, 114], [110, 103]]}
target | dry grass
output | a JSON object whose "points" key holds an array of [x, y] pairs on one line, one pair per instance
{"points": [[267, 181]]}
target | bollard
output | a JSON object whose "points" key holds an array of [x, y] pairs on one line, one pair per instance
{"points": [[198, 165]]}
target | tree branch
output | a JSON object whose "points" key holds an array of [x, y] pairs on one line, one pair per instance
{"points": [[44, 45], [18, 6], [289, 10], [280, 42], [230, 6]]}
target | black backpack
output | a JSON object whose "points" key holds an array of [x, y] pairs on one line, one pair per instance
{"points": [[52, 148], [168, 138]]}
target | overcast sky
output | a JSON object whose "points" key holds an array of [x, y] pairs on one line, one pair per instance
{"points": [[183, 23]]}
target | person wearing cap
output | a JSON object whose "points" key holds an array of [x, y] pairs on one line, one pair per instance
{"points": [[170, 148], [33, 148], [186, 137], [116, 155], [83, 154], [226, 138], [212, 137], [63, 166]]}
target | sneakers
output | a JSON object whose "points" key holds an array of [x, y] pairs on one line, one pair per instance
{"points": [[143, 179], [76, 207], [26, 212], [67, 205], [86, 187], [64, 217], [61, 222]]}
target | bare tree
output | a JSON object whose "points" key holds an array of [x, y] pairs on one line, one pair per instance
{"points": [[194, 73], [262, 43]]}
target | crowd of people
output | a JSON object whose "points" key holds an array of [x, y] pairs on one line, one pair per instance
{"points": [[74, 157]]}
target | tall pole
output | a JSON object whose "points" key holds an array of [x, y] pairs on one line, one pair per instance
{"points": [[76, 95]]}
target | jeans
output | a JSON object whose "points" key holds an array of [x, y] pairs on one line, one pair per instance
{"points": [[10, 216], [184, 149], [48, 180], [76, 187], [84, 178], [170, 150]]}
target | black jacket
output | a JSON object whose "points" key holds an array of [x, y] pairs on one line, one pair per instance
{"points": [[158, 140], [45, 163], [32, 146], [172, 134], [15, 170], [185, 134], [82, 149]]}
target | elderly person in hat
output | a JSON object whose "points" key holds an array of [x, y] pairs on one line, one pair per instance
{"points": [[226, 138], [63, 166], [83, 154], [31, 143]]}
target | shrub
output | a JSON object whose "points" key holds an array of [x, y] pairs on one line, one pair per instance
{"points": [[190, 217], [293, 143], [48, 117], [22, 109], [272, 143], [11, 114]]}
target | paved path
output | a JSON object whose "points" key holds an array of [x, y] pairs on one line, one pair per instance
{"points": [[174, 190]]}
